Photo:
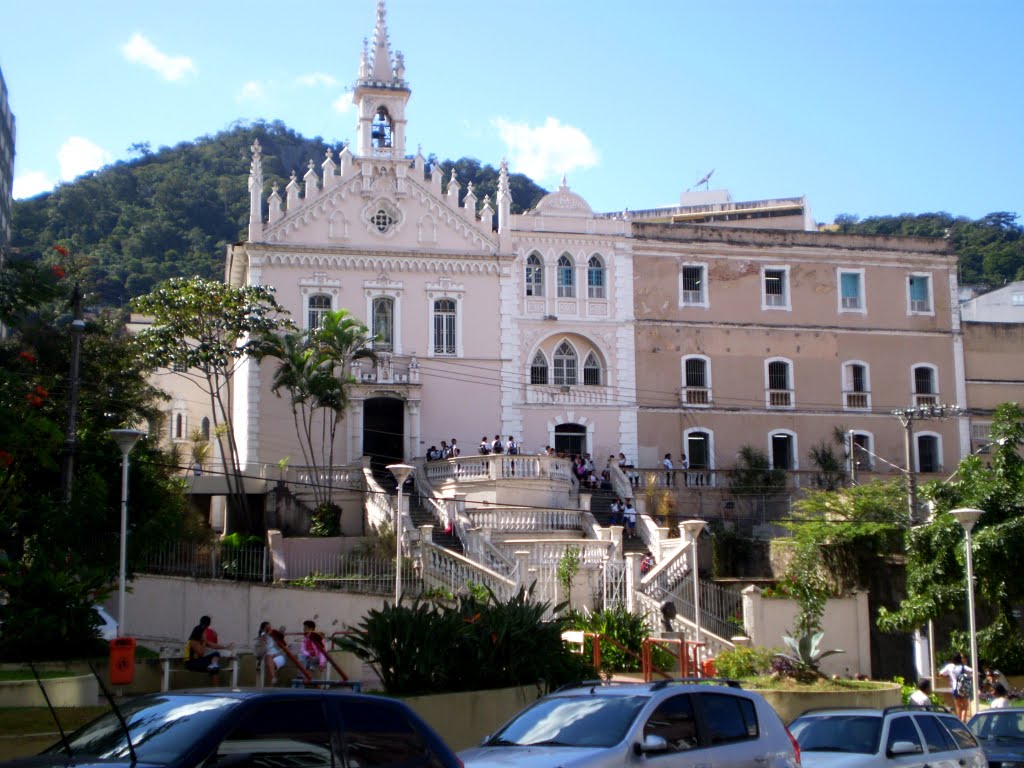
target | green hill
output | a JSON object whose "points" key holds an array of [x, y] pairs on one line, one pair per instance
{"points": [[171, 212]]}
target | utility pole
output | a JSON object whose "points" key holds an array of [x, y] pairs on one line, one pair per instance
{"points": [[907, 417], [67, 470]]}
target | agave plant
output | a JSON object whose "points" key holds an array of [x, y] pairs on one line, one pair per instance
{"points": [[806, 654]]}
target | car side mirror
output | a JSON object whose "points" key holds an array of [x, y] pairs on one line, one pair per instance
{"points": [[652, 743], [904, 748]]}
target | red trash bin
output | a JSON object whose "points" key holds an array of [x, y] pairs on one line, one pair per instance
{"points": [[708, 668], [122, 660]]}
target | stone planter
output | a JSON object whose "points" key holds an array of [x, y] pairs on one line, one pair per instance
{"points": [[74, 691], [789, 704]]}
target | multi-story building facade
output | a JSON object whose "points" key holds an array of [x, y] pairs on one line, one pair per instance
{"points": [[776, 339], [6, 165], [993, 329], [690, 329]]}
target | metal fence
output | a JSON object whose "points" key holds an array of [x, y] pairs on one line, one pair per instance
{"points": [[348, 573]]}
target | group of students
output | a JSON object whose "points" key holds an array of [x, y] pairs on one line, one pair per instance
{"points": [[511, 447], [445, 451], [961, 686], [624, 514], [202, 650]]}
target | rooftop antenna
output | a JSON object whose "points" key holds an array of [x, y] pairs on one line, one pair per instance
{"points": [[704, 181]]}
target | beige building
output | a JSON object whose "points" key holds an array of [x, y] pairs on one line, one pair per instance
{"points": [[775, 339]]}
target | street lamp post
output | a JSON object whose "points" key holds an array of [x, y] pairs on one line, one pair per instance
{"points": [[693, 529], [907, 417], [401, 472], [967, 517], [125, 439]]}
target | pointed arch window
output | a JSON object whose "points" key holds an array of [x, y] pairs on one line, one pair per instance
{"points": [[380, 132], [444, 327], [205, 429], [565, 363], [539, 369], [317, 308], [595, 278], [384, 323], [591, 371], [566, 278], [534, 276]]}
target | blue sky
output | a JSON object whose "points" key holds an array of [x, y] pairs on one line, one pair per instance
{"points": [[867, 107]]}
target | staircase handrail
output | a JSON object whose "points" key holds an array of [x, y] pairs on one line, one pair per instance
{"points": [[669, 570], [473, 541], [621, 486], [512, 520], [650, 607], [379, 510], [453, 571]]}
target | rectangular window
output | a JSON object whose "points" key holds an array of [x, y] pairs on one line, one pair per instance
{"points": [[444, 327], [776, 293], [920, 293], [693, 286], [1017, 299], [850, 290]]}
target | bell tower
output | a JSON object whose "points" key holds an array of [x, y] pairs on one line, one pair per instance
{"points": [[380, 95]]}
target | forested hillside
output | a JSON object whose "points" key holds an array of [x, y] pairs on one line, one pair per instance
{"points": [[171, 212], [990, 250]]}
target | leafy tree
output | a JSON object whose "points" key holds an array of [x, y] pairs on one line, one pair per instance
{"points": [[753, 474], [204, 330], [936, 583], [59, 557]]}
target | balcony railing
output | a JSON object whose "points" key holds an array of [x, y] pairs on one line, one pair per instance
{"points": [[581, 394], [388, 369], [858, 399], [696, 396], [926, 400], [780, 398]]}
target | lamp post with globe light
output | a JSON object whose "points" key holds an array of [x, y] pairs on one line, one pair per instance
{"points": [[126, 440], [401, 472], [967, 517]]}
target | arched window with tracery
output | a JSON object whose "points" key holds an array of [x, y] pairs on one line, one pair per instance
{"points": [[595, 278], [539, 369], [534, 276], [565, 363], [566, 278], [592, 371]]}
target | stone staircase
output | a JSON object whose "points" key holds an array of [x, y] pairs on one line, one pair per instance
{"points": [[600, 508], [421, 515]]}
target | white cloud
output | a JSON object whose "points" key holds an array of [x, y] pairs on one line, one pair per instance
{"points": [[343, 104], [77, 156], [315, 79], [31, 184], [252, 91], [548, 150], [141, 51]]}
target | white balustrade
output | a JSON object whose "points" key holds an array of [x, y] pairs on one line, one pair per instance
{"points": [[527, 520]]}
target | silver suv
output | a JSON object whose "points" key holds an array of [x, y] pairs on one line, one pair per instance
{"points": [[895, 737], [595, 724]]}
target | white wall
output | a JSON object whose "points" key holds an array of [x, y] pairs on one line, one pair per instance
{"points": [[846, 624]]}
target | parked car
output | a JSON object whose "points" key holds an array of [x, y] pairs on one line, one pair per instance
{"points": [[255, 729], [600, 725], [894, 737], [1001, 734]]}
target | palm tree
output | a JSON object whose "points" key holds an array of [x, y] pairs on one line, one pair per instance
{"points": [[314, 366]]}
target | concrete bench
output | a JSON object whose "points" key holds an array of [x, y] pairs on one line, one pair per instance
{"points": [[172, 660]]}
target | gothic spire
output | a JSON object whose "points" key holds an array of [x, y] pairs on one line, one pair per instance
{"points": [[383, 68], [256, 193]]}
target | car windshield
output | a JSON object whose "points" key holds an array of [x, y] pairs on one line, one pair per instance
{"points": [[837, 733], [162, 728], [572, 721], [1007, 725]]}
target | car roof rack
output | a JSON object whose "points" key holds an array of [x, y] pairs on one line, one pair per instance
{"points": [[593, 684], [657, 685], [916, 708]]}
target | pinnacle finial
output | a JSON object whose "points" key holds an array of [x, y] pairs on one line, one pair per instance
{"points": [[382, 67]]}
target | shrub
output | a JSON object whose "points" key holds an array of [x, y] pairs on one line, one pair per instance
{"points": [[744, 662], [628, 630], [432, 647]]}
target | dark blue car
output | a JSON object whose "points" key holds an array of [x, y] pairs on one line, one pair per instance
{"points": [[219, 728], [1001, 734]]}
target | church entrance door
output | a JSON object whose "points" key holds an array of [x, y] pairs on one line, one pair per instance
{"points": [[383, 432]]}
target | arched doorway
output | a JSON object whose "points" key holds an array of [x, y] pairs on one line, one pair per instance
{"points": [[571, 439], [383, 431]]}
